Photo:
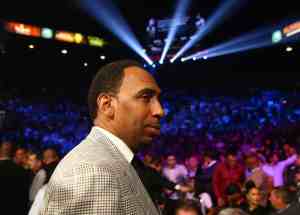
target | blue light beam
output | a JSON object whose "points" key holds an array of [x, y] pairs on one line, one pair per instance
{"points": [[212, 22], [110, 17], [180, 12], [240, 40], [245, 47], [259, 38]]}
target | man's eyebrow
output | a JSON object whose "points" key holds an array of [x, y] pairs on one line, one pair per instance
{"points": [[148, 91]]}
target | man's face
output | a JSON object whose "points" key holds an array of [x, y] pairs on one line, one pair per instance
{"points": [[137, 108], [171, 161], [6, 148], [49, 156], [34, 163], [275, 200], [275, 159], [193, 162], [231, 160], [252, 162], [21, 156]]}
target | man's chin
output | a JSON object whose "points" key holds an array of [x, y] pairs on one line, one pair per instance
{"points": [[147, 140]]}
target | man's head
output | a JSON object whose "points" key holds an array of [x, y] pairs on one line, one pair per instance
{"points": [[252, 161], [124, 99], [171, 161], [6, 148], [280, 198], [231, 157], [50, 155], [35, 162], [188, 207], [193, 162], [273, 158], [208, 156], [20, 157]]}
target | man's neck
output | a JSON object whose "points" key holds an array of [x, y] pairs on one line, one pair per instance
{"points": [[115, 132]]}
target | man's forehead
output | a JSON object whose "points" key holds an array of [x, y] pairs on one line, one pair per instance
{"points": [[140, 78]]}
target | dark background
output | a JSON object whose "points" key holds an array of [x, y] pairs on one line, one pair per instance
{"points": [[45, 72]]}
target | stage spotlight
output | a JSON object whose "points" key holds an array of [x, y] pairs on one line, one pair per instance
{"points": [[221, 13], [180, 12], [289, 49], [109, 16]]}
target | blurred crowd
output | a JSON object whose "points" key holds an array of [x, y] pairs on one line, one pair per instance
{"points": [[225, 155]]}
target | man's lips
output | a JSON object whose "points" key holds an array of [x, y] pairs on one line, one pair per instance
{"points": [[154, 129]]}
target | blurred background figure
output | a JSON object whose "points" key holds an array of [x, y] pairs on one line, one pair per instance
{"points": [[14, 182], [283, 202], [253, 204], [50, 155], [38, 203], [20, 157], [39, 174]]}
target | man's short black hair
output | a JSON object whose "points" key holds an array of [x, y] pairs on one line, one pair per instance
{"points": [[107, 80], [188, 205], [231, 151]]}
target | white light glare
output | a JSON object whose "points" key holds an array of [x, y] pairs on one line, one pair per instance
{"points": [[64, 51]]}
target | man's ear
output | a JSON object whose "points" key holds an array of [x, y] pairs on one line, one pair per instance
{"points": [[105, 105]]}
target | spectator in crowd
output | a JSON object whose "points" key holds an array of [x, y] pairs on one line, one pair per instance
{"points": [[174, 172], [275, 168], [228, 172], [253, 205], [204, 175], [14, 183], [39, 202], [40, 175], [6, 150], [283, 202], [21, 156], [192, 165], [291, 171], [50, 155], [255, 173]]}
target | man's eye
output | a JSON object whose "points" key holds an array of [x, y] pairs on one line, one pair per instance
{"points": [[146, 97]]}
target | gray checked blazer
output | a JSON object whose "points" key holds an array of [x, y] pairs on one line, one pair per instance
{"points": [[95, 178]]}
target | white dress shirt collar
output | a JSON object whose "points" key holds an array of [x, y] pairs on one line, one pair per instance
{"points": [[121, 146]]}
